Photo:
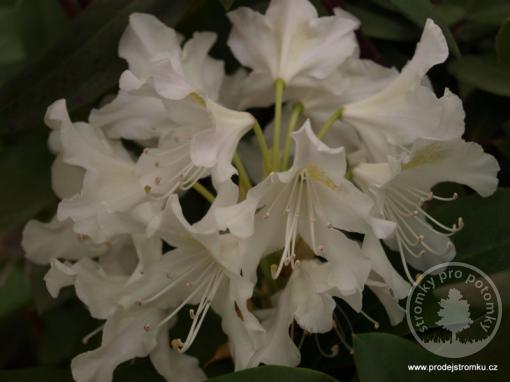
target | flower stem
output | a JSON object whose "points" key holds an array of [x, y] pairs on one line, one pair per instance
{"points": [[244, 179], [279, 87], [198, 187], [266, 155], [329, 123], [296, 112]]}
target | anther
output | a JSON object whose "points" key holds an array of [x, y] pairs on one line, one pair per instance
{"points": [[146, 327], [147, 189], [82, 237], [376, 324], [176, 344], [157, 180], [274, 270]]}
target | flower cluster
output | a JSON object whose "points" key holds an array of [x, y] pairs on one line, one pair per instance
{"points": [[348, 161]]}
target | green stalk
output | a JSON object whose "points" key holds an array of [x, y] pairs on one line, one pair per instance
{"points": [[279, 88], [198, 187], [296, 112], [330, 122], [244, 179]]}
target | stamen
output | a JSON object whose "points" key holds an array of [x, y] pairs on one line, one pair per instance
{"points": [[455, 196], [334, 348], [178, 279], [203, 308], [339, 330], [404, 262], [292, 225], [376, 324], [311, 213], [209, 287], [282, 192], [176, 344], [89, 336], [302, 340]]}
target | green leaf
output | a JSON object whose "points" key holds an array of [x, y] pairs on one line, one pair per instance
{"points": [[451, 13], [11, 44], [83, 66], [503, 42], [275, 374], [59, 340], [484, 241], [419, 10], [46, 374], [15, 293], [483, 72], [137, 370], [384, 26], [227, 4], [490, 14], [25, 168], [381, 357]]}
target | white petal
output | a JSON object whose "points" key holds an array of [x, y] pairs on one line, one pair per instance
{"points": [[59, 276], [453, 161], [66, 180], [44, 241], [347, 208], [124, 338], [290, 42], [394, 311], [97, 289], [277, 348], [173, 365], [373, 249], [312, 310], [406, 109], [136, 117], [311, 152], [203, 72], [215, 147], [145, 40]]}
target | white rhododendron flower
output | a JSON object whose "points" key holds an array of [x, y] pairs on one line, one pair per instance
{"points": [[297, 212], [402, 185], [289, 43]]}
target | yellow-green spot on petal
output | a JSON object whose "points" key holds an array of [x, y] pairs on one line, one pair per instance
{"points": [[317, 174], [195, 97], [147, 189], [428, 155]]}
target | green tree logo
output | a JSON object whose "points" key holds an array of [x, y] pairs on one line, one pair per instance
{"points": [[454, 313]]}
